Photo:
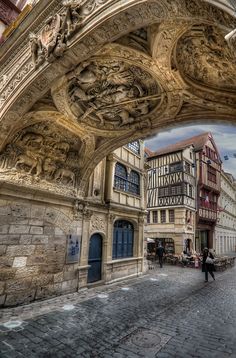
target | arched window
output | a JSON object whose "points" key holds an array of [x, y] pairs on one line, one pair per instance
{"points": [[134, 146], [120, 177], [133, 183], [126, 182], [123, 239]]}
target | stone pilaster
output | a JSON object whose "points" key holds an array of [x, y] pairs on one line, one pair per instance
{"points": [[110, 171]]}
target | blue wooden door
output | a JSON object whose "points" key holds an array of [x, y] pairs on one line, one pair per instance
{"points": [[95, 258]]}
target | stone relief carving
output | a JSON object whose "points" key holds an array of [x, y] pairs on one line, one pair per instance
{"points": [[42, 154], [52, 40], [97, 224], [206, 11], [212, 66], [111, 93]]}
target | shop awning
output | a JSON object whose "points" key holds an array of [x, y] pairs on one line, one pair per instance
{"points": [[149, 240]]}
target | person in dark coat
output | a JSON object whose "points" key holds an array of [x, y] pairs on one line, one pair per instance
{"points": [[206, 267], [160, 253]]}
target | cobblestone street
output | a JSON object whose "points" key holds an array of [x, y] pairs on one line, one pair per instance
{"points": [[167, 313]]}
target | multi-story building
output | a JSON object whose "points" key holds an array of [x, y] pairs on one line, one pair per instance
{"points": [[117, 189], [183, 189], [171, 197], [208, 169], [67, 244], [225, 230]]}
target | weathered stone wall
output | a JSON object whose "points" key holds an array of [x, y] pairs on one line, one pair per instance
{"points": [[33, 250]]}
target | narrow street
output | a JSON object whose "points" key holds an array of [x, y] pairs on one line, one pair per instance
{"points": [[167, 313]]}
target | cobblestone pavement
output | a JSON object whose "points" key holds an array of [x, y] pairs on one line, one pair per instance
{"points": [[167, 313]]}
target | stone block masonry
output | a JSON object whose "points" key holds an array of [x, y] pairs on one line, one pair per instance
{"points": [[33, 250]]}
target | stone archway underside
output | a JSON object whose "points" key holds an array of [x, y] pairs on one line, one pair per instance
{"points": [[88, 76]]}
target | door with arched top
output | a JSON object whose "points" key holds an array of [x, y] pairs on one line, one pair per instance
{"points": [[95, 258]]}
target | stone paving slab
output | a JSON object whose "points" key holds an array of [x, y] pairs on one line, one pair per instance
{"points": [[167, 313]]}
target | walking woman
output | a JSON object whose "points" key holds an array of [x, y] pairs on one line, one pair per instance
{"points": [[208, 264]]}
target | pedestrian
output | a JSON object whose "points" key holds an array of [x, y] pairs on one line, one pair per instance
{"points": [[208, 264], [184, 258], [160, 253]]}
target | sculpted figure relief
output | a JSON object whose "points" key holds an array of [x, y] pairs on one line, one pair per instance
{"points": [[211, 65], [111, 93], [40, 154]]}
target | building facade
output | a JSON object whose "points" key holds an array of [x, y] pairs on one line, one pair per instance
{"points": [[51, 244], [171, 198], [184, 177], [225, 230], [208, 173]]}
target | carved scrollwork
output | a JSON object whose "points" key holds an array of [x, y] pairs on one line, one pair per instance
{"points": [[111, 94]]}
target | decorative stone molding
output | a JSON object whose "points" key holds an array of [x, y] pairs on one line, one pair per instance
{"points": [[97, 224]]}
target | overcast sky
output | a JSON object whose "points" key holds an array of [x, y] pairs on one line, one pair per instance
{"points": [[224, 137]]}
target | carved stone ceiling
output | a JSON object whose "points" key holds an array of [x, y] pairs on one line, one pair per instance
{"points": [[108, 94], [204, 57], [100, 75]]}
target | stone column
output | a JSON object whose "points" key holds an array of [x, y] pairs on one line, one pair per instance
{"points": [[83, 268], [108, 247], [110, 171], [140, 251]]}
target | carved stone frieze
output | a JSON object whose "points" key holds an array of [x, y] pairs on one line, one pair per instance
{"points": [[215, 63], [43, 155]]}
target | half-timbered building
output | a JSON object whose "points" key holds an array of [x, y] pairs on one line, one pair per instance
{"points": [[184, 177], [171, 197]]}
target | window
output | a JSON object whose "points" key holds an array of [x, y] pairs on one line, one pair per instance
{"points": [[163, 191], [120, 177], [148, 217], [185, 186], [187, 167], [133, 182], [176, 167], [211, 174], [129, 183], [123, 239], [211, 153], [190, 190], [154, 217], [171, 216], [134, 146], [176, 190], [163, 216]]}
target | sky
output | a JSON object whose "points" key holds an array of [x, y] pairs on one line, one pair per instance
{"points": [[223, 135]]}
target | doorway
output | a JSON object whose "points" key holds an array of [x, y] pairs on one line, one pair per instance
{"points": [[95, 258]]}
